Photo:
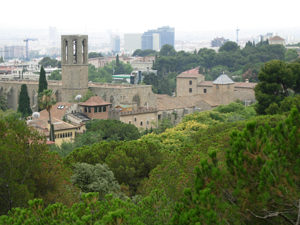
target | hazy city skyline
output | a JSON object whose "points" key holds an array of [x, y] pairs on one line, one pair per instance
{"points": [[138, 16]]}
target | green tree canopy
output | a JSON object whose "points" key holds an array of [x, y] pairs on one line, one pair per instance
{"points": [[143, 53], [27, 169], [49, 62], [95, 178], [229, 46], [167, 50], [3, 103], [43, 84], [55, 75], [94, 55], [275, 78], [24, 102]]}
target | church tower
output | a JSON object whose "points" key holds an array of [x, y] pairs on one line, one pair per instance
{"points": [[74, 63]]}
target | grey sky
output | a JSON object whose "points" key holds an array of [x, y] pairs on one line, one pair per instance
{"points": [[140, 15]]}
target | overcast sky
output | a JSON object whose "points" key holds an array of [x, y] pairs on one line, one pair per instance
{"points": [[141, 15]]}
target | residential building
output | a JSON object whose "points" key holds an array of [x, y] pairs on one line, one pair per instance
{"points": [[276, 40], [95, 108]]}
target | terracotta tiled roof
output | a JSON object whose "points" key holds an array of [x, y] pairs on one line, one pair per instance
{"points": [[191, 73], [57, 111], [276, 38], [206, 83], [94, 101], [42, 125], [166, 102]]}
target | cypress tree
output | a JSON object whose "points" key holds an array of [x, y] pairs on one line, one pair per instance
{"points": [[24, 102], [42, 81]]}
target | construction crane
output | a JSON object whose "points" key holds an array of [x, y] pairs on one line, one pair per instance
{"points": [[27, 47]]}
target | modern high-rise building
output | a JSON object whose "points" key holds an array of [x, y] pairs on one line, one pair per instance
{"points": [[11, 52], [155, 39], [132, 42], [167, 36], [147, 39], [115, 43]]}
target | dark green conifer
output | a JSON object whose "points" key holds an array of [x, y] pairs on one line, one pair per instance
{"points": [[42, 81], [24, 102]]}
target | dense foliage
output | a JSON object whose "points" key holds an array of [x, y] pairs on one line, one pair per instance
{"points": [[43, 84], [55, 75], [94, 55], [24, 102], [105, 73], [277, 80], [238, 63], [225, 166], [27, 169], [50, 62]]}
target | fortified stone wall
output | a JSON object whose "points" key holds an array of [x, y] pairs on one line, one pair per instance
{"points": [[11, 90], [118, 94]]}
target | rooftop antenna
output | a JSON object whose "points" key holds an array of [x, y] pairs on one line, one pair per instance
{"points": [[237, 35]]}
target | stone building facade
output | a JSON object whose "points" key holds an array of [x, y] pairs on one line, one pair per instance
{"points": [[74, 82], [221, 91]]}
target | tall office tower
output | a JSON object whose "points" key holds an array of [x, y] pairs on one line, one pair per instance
{"points": [[147, 40], [11, 52], [132, 42], [156, 41], [115, 43], [167, 36]]}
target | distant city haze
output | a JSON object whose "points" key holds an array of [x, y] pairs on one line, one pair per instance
{"points": [[193, 20], [139, 15]]}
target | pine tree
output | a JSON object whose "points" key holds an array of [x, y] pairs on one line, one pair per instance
{"points": [[119, 66], [42, 81], [24, 102]]}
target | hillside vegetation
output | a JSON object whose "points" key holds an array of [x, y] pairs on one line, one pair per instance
{"points": [[225, 166]]}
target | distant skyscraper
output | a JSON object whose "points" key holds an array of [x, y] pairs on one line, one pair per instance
{"points": [[115, 43], [11, 52], [167, 36], [132, 42], [147, 40], [155, 39]]}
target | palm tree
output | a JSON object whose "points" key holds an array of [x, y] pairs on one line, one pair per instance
{"points": [[46, 101]]}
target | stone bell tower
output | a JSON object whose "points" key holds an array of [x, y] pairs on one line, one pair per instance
{"points": [[74, 63]]}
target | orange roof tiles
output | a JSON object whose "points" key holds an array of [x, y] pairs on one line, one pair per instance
{"points": [[276, 38], [57, 111], [94, 101], [191, 73]]}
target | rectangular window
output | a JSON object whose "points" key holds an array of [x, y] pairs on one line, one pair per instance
{"points": [[95, 109], [159, 117], [204, 90], [190, 90], [191, 82], [89, 108], [85, 109], [104, 108], [99, 109]]}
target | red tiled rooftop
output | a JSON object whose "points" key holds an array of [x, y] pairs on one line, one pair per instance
{"points": [[94, 101], [276, 38], [191, 73]]}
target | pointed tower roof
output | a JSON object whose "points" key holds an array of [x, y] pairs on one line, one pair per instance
{"points": [[223, 79]]}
